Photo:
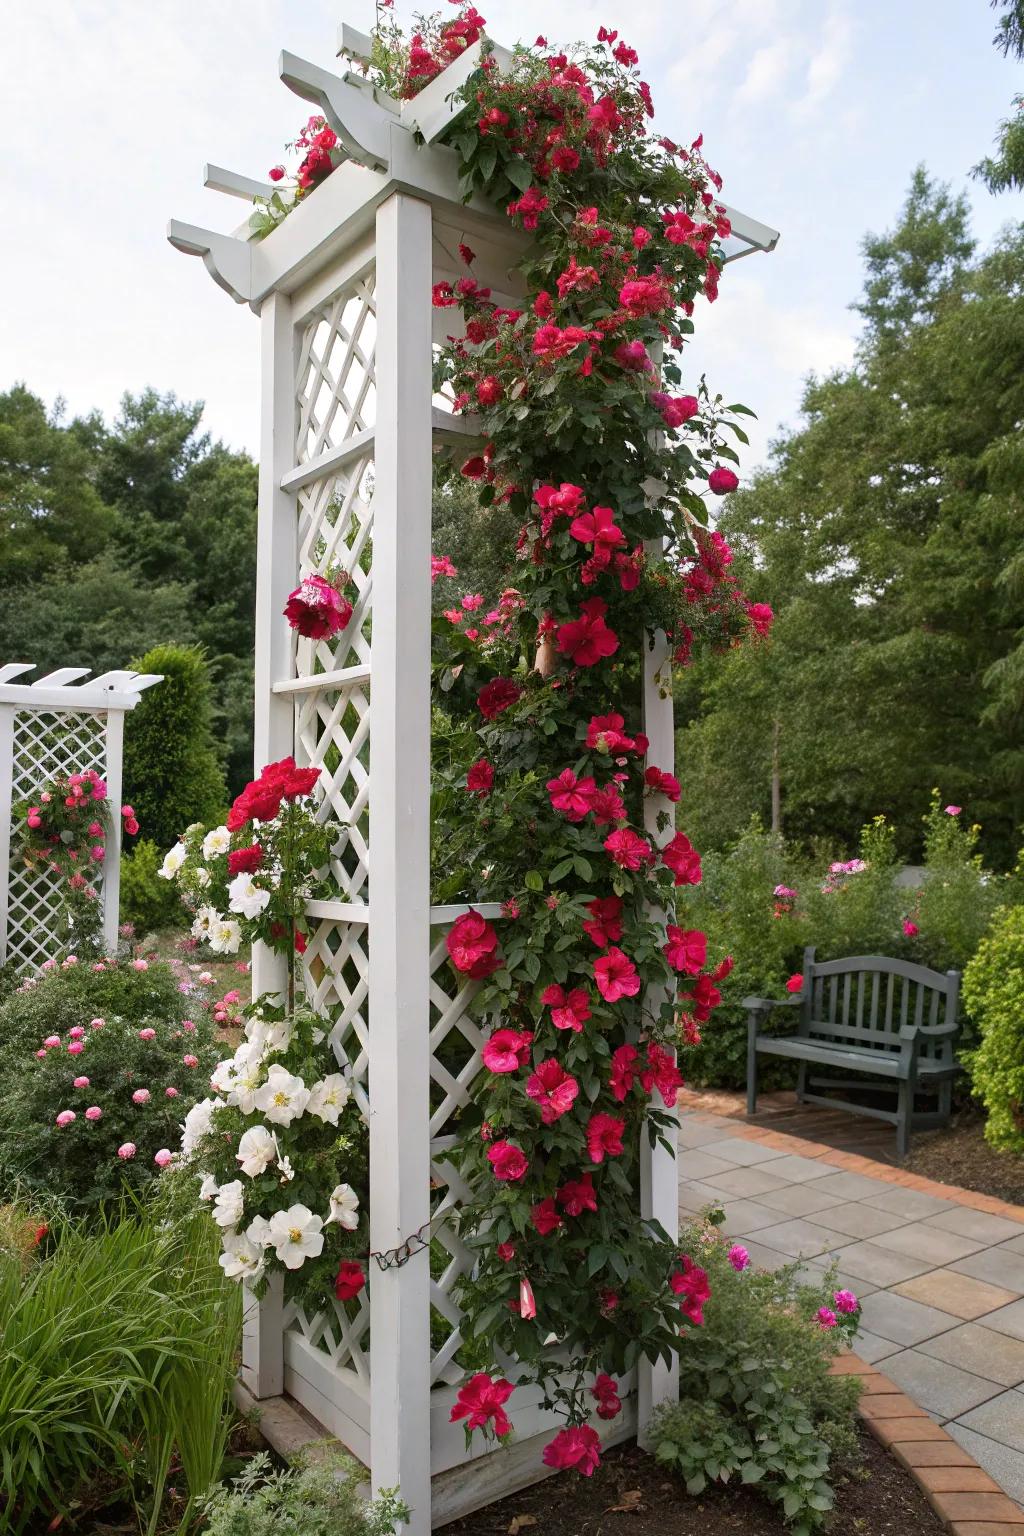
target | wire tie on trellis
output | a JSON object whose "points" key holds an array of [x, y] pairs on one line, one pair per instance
{"points": [[394, 1258]]}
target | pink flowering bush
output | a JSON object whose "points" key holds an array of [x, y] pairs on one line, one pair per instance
{"points": [[757, 1403], [73, 1102]]}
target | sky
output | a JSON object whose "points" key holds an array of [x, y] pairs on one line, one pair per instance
{"points": [[814, 111]]}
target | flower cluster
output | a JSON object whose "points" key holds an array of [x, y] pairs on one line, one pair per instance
{"points": [[318, 608], [252, 877], [320, 152], [63, 831], [281, 1131]]}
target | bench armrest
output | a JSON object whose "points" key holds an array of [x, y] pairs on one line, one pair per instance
{"points": [[766, 1004], [941, 1031]]}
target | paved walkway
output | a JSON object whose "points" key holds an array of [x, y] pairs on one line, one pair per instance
{"points": [[941, 1281]]}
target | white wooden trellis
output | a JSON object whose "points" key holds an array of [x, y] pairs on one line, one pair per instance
{"points": [[61, 723], [342, 289]]}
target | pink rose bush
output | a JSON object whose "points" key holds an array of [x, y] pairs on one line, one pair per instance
{"points": [[280, 1149], [251, 878]]}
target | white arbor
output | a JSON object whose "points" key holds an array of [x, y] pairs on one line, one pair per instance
{"points": [[349, 425], [59, 724]]}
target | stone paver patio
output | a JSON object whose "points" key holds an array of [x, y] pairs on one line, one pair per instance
{"points": [[941, 1281]]}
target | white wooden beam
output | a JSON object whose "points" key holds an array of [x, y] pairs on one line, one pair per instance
{"points": [[327, 463], [353, 44], [220, 180], [363, 126], [227, 259]]}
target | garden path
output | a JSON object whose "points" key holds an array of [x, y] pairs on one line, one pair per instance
{"points": [[940, 1270]]}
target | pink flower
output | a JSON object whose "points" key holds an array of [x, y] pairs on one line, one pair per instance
{"points": [[94, 1112], [316, 609], [577, 1196], [628, 849], [616, 976], [77, 1032], [482, 1402], [171, 1093], [41, 1053], [52, 1042], [578, 1447], [569, 1010], [75, 1048], [472, 945], [662, 1073], [96, 1023], [826, 1317], [140, 965], [97, 853], [722, 480], [910, 928], [953, 810], [605, 925], [188, 1026], [507, 1161], [147, 1034], [163, 1157], [686, 950], [507, 1050], [190, 1061], [691, 1282], [682, 859], [604, 1136], [140, 1096], [587, 640], [845, 1301], [126, 1151], [553, 1089], [738, 1257], [624, 1071], [66, 1117], [795, 984], [95, 830], [661, 783], [606, 1393], [570, 795]]}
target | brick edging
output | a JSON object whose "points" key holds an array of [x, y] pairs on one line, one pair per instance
{"points": [[962, 1494], [849, 1162]]}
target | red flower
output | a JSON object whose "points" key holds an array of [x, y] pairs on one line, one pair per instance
{"points": [[482, 1400], [662, 784], [245, 861], [722, 480], [506, 1252], [605, 925], [607, 806], [349, 1280], [682, 859], [675, 410], [606, 1393], [686, 950], [480, 778], [761, 617], [597, 527], [587, 640], [496, 696], [579, 1447], [473, 944], [691, 1282], [529, 206], [553, 1089], [623, 1072], [545, 1217], [645, 296], [616, 976], [570, 795], [663, 1074], [605, 734], [507, 1050], [628, 849], [317, 609], [569, 1010], [551, 342], [604, 1136], [508, 1161], [261, 799], [577, 1196], [795, 984], [489, 390]]}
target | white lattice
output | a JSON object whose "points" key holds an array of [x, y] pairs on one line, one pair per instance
{"points": [[46, 743], [336, 392], [335, 530]]}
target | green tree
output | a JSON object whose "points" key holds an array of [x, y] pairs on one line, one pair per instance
{"points": [[172, 775], [1004, 171]]}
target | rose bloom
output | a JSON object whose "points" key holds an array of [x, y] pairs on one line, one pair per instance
{"points": [[738, 1257], [579, 1447], [147, 1034], [508, 1161], [190, 1061], [349, 1280], [140, 1096], [163, 1157], [94, 1112], [81, 1082], [126, 1151], [481, 1401], [171, 1093], [66, 1117], [75, 1048]]}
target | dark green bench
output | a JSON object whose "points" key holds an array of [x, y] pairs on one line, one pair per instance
{"points": [[883, 1018]]}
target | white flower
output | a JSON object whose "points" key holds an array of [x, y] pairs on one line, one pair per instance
{"points": [[225, 937], [227, 1208], [269, 1034], [283, 1097], [258, 1231], [203, 877], [246, 897], [241, 1259], [208, 1188], [295, 1235], [203, 922], [198, 1123], [285, 1169], [217, 840], [257, 1149], [174, 858], [328, 1098], [344, 1207], [248, 1078]]}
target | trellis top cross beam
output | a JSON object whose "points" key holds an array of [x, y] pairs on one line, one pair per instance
{"points": [[72, 688], [388, 146]]}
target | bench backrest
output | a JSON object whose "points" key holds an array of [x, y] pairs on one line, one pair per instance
{"points": [[866, 999]]}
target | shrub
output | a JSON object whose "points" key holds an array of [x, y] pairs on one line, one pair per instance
{"points": [[994, 996], [137, 1081], [148, 902], [116, 1355], [757, 1401], [172, 774], [958, 898], [313, 1501], [58, 997]]}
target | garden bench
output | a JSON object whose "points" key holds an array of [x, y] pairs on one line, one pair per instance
{"points": [[887, 1019]]}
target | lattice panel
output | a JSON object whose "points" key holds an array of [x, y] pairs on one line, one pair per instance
{"points": [[332, 732], [46, 743], [336, 530], [335, 386]]}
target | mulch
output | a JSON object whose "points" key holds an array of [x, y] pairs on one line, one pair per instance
{"points": [[631, 1495], [961, 1155]]}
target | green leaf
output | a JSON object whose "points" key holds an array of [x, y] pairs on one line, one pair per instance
{"points": [[533, 880], [519, 174]]}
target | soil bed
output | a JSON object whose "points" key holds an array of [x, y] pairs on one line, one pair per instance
{"points": [[961, 1155], [631, 1495]]}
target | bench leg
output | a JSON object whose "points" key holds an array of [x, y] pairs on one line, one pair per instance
{"points": [[751, 1075], [905, 1114], [801, 1083]]}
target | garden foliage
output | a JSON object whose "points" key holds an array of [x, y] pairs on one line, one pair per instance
{"points": [[72, 992], [322, 1500], [147, 902], [994, 993]]}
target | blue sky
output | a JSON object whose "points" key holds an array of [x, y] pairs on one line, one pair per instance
{"points": [[814, 111]]}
